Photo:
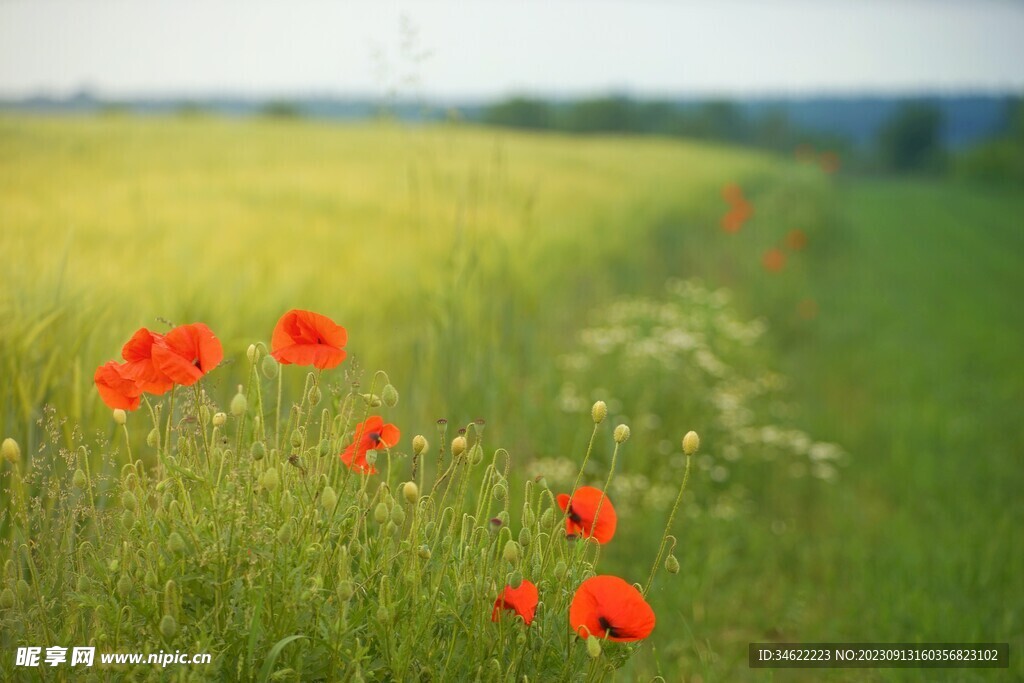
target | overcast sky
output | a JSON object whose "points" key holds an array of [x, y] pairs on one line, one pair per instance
{"points": [[489, 47]]}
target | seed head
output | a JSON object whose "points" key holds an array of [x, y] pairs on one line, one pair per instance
{"points": [[239, 404], [621, 433], [419, 444], [599, 412], [458, 445], [691, 442]]}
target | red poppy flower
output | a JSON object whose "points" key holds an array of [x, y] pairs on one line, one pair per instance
{"points": [[737, 216], [582, 511], [807, 309], [732, 193], [522, 600], [829, 162], [608, 606], [116, 390], [186, 353], [796, 239], [138, 353], [307, 338], [371, 434], [773, 260]]}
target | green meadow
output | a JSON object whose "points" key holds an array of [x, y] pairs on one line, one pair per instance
{"points": [[860, 470]]}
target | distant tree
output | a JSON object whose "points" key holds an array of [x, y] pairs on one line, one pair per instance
{"points": [[281, 109], [519, 112], [613, 114], [1001, 159], [911, 140]]}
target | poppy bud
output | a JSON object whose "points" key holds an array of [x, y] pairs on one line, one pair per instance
{"points": [[345, 591], [380, 513], [382, 614], [672, 564], [423, 552], [270, 479], [128, 500], [499, 492], [503, 518], [257, 450], [220, 419], [476, 454], [150, 579], [127, 519], [153, 438], [525, 537], [691, 442], [296, 439], [239, 404], [250, 353], [168, 626], [372, 400], [371, 457], [324, 448], [411, 492], [284, 534], [11, 451], [516, 580], [287, 504], [6, 599], [329, 499], [124, 586], [22, 590], [120, 417], [593, 647], [204, 415], [419, 444], [511, 552], [398, 516], [494, 525], [389, 395], [315, 395], [560, 570], [547, 517], [621, 433], [466, 593], [599, 412], [458, 445], [269, 367], [175, 543], [78, 479], [171, 597], [82, 585]]}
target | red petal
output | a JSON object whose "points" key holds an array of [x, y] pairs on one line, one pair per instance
{"points": [[116, 390]]}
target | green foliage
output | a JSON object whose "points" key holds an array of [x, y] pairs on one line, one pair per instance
{"points": [[911, 140], [999, 161]]}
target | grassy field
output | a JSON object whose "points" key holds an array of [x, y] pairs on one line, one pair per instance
{"points": [[486, 272]]}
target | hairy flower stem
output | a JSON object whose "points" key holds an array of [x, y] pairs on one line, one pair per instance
{"points": [[668, 526], [604, 491]]}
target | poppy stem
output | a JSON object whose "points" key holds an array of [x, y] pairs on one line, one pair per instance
{"points": [[604, 491], [668, 527]]}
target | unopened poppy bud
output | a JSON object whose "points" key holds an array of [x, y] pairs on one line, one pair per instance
{"points": [[315, 395], [257, 450], [494, 525], [250, 353], [168, 626], [691, 442], [380, 513], [389, 395], [128, 500], [78, 479], [345, 591], [411, 492], [547, 517], [269, 367], [82, 585], [621, 433], [10, 450], [499, 492], [382, 614], [476, 454], [672, 564], [150, 579], [511, 552], [525, 537], [6, 599], [458, 445], [171, 597], [204, 415], [270, 479], [153, 438], [324, 448], [120, 417], [296, 439], [560, 570], [284, 534], [516, 580], [419, 444], [599, 412], [329, 498], [398, 516], [593, 647], [287, 504], [466, 593], [239, 404], [124, 586], [220, 419], [22, 590], [175, 543], [423, 552], [371, 457], [503, 517], [372, 400]]}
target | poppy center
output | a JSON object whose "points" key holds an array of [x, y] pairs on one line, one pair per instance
{"points": [[574, 516], [195, 362], [607, 627], [374, 437]]}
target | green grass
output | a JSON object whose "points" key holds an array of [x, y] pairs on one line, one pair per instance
{"points": [[466, 262]]}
